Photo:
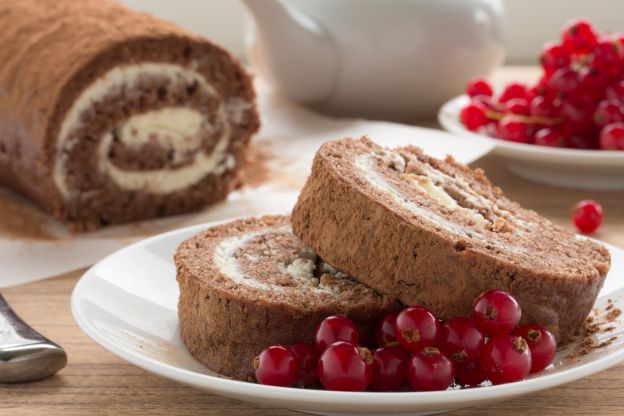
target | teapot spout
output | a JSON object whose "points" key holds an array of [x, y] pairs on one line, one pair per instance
{"points": [[292, 51]]}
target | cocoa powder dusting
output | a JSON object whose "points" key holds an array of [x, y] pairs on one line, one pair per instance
{"points": [[597, 322], [20, 219], [255, 171]]}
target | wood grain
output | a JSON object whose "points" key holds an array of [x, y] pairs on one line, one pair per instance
{"points": [[97, 382]]}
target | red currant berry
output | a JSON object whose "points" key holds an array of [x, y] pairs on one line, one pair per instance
{"points": [[469, 373], [389, 368], [564, 80], [578, 114], [615, 91], [473, 117], [608, 56], [505, 359], [335, 328], [587, 216], [308, 357], [513, 129], [429, 369], [416, 327], [550, 137], [276, 366], [543, 107], [579, 36], [486, 103], [384, 331], [542, 344], [495, 312], [345, 367], [518, 106], [514, 90], [607, 112], [612, 137], [554, 56], [460, 340], [478, 86]]}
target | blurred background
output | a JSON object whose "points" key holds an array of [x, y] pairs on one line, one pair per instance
{"points": [[529, 23]]}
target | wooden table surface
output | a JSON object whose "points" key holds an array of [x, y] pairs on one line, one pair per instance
{"points": [[97, 382]]}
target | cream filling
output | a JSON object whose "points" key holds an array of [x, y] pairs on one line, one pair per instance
{"points": [[301, 268], [176, 128], [369, 171]]}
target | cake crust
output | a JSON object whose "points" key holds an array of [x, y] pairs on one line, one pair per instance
{"points": [[427, 250], [268, 294]]}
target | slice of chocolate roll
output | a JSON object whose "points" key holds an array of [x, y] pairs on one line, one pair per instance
{"points": [[109, 115], [251, 283], [436, 233]]}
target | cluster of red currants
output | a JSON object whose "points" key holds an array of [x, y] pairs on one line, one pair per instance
{"points": [[577, 103], [415, 348]]}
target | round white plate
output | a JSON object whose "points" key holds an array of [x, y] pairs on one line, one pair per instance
{"points": [[127, 303], [570, 168]]}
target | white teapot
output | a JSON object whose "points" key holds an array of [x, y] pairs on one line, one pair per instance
{"points": [[380, 59]]}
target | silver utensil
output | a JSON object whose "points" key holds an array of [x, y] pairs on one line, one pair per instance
{"points": [[25, 354]]}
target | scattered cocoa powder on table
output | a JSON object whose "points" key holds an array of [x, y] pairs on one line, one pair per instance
{"points": [[20, 218]]}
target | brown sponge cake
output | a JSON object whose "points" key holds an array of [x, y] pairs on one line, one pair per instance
{"points": [[109, 115], [436, 233], [251, 283]]}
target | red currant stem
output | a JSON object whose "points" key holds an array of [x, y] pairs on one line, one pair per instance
{"points": [[497, 115]]}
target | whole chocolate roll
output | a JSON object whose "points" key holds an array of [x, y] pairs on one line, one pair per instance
{"points": [[109, 115]]}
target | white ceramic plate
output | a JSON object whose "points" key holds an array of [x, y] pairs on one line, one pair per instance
{"points": [[570, 168], [128, 304]]}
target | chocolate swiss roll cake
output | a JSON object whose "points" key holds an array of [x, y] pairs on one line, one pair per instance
{"points": [[109, 115], [251, 283], [436, 233]]}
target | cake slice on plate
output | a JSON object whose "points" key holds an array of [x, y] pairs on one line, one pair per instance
{"points": [[436, 233], [251, 283]]}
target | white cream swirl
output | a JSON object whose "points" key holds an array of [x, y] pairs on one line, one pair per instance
{"points": [[175, 128]]}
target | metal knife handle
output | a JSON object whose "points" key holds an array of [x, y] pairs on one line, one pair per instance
{"points": [[25, 354]]}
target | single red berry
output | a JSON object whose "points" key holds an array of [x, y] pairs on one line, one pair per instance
{"points": [[335, 328], [564, 80], [460, 340], [469, 373], [505, 359], [495, 312], [384, 331], [554, 56], [473, 116], [579, 36], [593, 83], [308, 357], [416, 327], [487, 103], [543, 107], [345, 367], [612, 137], [518, 106], [478, 86], [429, 369], [514, 90], [608, 56], [615, 91], [542, 344], [578, 114], [389, 368], [550, 137], [607, 112], [587, 216], [513, 129], [276, 366]]}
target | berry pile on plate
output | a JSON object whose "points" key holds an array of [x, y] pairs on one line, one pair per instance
{"points": [[415, 349], [577, 103]]}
